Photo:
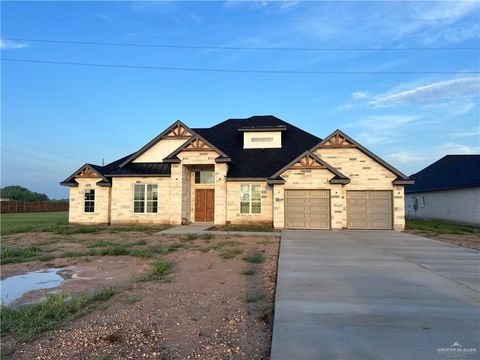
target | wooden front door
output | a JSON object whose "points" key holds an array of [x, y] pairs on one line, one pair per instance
{"points": [[204, 205]]}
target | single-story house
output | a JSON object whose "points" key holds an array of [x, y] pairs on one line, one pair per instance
{"points": [[255, 170], [448, 189]]}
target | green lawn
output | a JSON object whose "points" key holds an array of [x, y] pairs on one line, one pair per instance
{"points": [[437, 227], [24, 222]]}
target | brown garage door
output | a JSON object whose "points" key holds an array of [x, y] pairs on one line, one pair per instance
{"points": [[307, 209], [369, 209]]}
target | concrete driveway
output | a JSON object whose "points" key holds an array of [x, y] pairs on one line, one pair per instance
{"points": [[374, 295]]}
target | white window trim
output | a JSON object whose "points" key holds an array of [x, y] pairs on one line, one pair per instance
{"points": [[145, 201], [250, 202], [94, 201]]}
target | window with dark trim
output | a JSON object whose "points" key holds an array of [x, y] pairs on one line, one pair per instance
{"points": [[204, 177], [89, 200]]}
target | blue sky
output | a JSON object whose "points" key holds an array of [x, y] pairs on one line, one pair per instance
{"points": [[54, 118]]}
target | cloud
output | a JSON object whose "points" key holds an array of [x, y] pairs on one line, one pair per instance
{"points": [[431, 154], [282, 5], [9, 44], [381, 129], [406, 156], [464, 134], [467, 86], [357, 95], [384, 23]]}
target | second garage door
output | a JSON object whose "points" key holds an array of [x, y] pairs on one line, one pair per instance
{"points": [[307, 209], [369, 209]]}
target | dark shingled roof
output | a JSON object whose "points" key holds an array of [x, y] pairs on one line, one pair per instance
{"points": [[450, 172], [257, 163], [161, 169]]}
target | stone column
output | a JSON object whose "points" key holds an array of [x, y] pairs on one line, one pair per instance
{"points": [[278, 206], [176, 187], [220, 193]]}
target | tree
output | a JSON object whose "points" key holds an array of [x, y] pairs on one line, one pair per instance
{"points": [[16, 192]]}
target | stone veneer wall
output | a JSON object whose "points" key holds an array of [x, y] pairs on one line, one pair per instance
{"points": [[315, 179], [365, 174], [122, 201], [233, 204], [76, 214]]}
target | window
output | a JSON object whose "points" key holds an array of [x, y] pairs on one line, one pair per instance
{"points": [[145, 198], [262, 139], [204, 177], [423, 201], [250, 199], [89, 201]]}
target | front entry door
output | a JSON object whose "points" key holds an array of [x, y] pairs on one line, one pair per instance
{"points": [[204, 205]]}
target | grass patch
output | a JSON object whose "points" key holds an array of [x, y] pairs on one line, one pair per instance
{"points": [[207, 236], [263, 241], [244, 227], [251, 298], [159, 272], [100, 243], [437, 227], [255, 258], [136, 228], [46, 257], [249, 272], [71, 254], [26, 222], [17, 254], [28, 321], [230, 252], [57, 223], [191, 237], [111, 250]]}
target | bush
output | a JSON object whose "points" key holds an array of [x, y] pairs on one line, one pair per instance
{"points": [[249, 272], [255, 258], [230, 252], [159, 272]]}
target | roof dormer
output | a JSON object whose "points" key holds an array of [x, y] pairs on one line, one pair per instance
{"points": [[262, 137]]}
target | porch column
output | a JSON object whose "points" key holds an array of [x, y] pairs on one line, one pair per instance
{"points": [[278, 206], [220, 194], [176, 187]]}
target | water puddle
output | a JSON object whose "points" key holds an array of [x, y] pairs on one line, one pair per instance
{"points": [[14, 287]]}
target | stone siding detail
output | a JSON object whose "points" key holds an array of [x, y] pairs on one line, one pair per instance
{"points": [[315, 179], [233, 204], [122, 201], [365, 174], [76, 214]]}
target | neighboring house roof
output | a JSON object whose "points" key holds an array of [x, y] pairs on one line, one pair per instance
{"points": [[257, 163], [450, 172]]}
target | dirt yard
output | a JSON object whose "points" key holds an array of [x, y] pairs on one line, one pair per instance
{"points": [[215, 304]]}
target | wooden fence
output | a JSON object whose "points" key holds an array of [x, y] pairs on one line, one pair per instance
{"points": [[32, 206]]}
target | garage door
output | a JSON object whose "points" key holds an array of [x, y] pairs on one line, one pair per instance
{"points": [[369, 209], [307, 209]]}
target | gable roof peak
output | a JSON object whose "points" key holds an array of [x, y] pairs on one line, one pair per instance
{"points": [[177, 130]]}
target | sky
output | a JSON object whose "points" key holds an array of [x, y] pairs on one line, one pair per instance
{"points": [[411, 105]]}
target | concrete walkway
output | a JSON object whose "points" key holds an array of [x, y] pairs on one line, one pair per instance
{"points": [[374, 295], [186, 229]]}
